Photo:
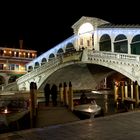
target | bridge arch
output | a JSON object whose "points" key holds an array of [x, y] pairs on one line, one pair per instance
{"points": [[135, 44], [36, 65], [85, 32], [69, 47], [51, 56], [30, 68], [43, 61], [105, 43], [60, 51], [121, 44]]}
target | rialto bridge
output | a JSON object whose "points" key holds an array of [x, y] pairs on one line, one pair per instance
{"points": [[96, 42]]}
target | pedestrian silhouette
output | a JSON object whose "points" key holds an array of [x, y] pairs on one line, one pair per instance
{"points": [[54, 94], [47, 93]]}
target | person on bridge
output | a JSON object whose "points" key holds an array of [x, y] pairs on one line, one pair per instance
{"points": [[47, 93]]}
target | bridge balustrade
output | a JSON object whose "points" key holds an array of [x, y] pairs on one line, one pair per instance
{"points": [[117, 57], [66, 57]]}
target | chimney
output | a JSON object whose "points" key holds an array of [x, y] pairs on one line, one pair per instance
{"points": [[21, 44]]}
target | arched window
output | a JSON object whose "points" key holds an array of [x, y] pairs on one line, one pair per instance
{"points": [[51, 56], [135, 45], [70, 47], [121, 44], [36, 65], [60, 51], [105, 43], [43, 61], [30, 68]]}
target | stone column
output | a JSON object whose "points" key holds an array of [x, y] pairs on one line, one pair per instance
{"points": [[132, 94], [132, 90], [126, 90], [122, 92], [116, 92], [137, 93]]}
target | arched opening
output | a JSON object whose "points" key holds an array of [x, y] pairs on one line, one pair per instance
{"points": [[135, 45], [85, 28], [43, 61], [85, 33], [60, 51], [36, 65], [121, 44], [51, 56], [105, 43], [30, 68], [70, 47]]}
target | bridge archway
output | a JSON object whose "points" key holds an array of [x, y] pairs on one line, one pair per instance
{"points": [[105, 43], [60, 51], [51, 56], [70, 47], [43, 61], [135, 45], [36, 65], [121, 44]]}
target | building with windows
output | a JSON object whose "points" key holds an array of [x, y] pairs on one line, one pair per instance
{"points": [[13, 62]]}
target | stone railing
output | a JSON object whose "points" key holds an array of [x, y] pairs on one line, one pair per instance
{"points": [[135, 59], [66, 57]]}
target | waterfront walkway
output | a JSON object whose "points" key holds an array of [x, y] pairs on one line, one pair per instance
{"points": [[50, 115], [123, 126]]}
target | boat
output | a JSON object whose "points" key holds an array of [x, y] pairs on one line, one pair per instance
{"points": [[89, 110]]}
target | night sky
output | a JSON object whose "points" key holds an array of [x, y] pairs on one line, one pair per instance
{"points": [[43, 27]]}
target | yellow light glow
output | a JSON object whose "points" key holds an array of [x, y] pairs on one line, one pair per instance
{"points": [[4, 51], [10, 52], [4, 65], [85, 28], [5, 110]]}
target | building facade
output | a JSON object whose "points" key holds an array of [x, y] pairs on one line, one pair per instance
{"points": [[13, 63]]}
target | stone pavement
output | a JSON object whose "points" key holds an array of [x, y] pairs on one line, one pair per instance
{"points": [[123, 126], [50, 115]]}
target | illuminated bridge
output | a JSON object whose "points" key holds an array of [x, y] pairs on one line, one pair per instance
{"points": [[96, 45]]}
